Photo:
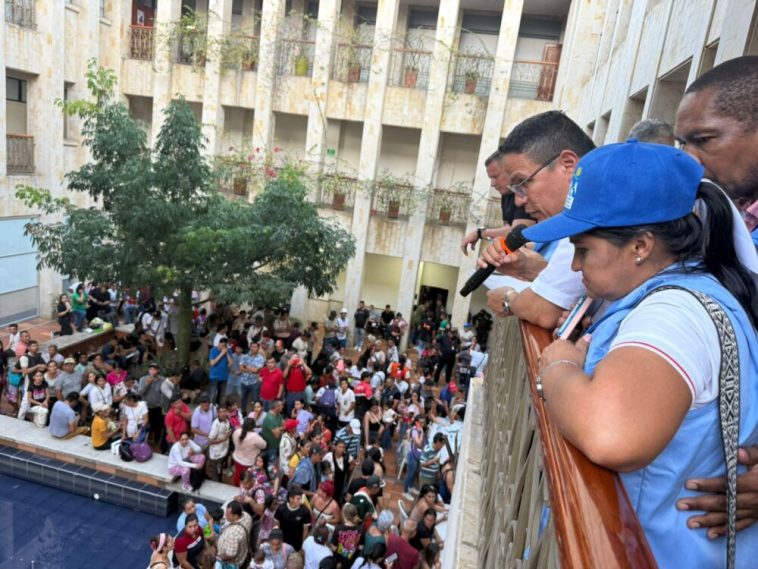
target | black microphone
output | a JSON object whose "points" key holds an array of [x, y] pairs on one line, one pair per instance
{"points": [[514, 241]]}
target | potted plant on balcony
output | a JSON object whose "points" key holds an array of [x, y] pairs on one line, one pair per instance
{"points": [[393, 194], [249, 58], [301, 62], [411, 76], [190, 35], [472, 77], [353, 66]]}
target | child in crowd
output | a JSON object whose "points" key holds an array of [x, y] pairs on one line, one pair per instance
{"points": [[268, 521], [260, 561]]}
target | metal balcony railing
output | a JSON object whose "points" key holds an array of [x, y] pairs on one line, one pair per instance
{"points": [[142, 42], [19, 153], [493, 216], [191, 48], [295, 57], [533, 80], [20, 12], [352, 63], [448, 207], [410, 68], [240, 52], [472, 74], [338, 192], [539, 502], [393, 200]]}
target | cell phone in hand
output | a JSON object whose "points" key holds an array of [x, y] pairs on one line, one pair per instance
{"points": [[391, 559], [574, 318]]}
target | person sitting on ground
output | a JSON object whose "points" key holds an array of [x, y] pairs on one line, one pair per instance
{"points": [[64, 420], [104, 430], [185, 455], [37, 400]]}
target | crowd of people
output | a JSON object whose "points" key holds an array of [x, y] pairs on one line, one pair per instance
{"points": [[303, 430]]}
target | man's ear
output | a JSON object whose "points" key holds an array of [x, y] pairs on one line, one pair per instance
{"points": [[568, 159]]}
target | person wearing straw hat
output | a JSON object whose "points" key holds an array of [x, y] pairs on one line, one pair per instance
{"points": [[664, 386]]}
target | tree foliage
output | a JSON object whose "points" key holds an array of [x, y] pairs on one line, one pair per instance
{"points": [[161, 222]]}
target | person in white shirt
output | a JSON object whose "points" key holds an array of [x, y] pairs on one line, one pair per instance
{"points": [[133, 416], [14, 337], [98, 392], [315, 548], [185, 455], [342, 328], [345, 403], [218, 440]]}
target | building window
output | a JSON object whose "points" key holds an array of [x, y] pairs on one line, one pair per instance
{"points": [[423, 19], [365, 14], [19, 293], [15, 90], [20, 12]]}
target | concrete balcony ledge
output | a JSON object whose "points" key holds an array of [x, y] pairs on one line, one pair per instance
{"points": [[25, 436]]}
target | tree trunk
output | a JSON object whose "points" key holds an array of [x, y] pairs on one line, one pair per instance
{"points": [[185, 324]]}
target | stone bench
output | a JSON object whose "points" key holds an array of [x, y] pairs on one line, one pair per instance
{"points": [[52, 455]]}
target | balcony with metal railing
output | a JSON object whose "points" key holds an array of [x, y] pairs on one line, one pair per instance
{"points": [[533, 80], [410, 68], [524, 496], [191, 48], [472, 74], [295, 57], [19, 153], [393, 200], [337, 191], [142, 43], [449, 206], [20, 12], [352, 63]]}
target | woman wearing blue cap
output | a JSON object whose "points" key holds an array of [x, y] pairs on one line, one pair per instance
{"points": [[664, 387]]}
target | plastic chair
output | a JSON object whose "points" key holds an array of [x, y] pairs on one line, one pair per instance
{"points": [[404, 515]]}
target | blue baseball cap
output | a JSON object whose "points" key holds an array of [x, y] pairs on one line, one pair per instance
{"points": [[623, 185]]}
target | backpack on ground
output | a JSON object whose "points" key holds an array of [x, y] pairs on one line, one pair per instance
{"points": [[141, 452], [124, 452]]}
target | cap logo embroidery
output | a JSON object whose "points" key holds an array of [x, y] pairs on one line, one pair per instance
{"points": [[572, 189]]}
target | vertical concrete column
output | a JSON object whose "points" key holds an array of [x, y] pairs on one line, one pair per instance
{"points": [[271, 22], [735, 30], [45, 120], [166, 16], [371, 144], [579, 56], [219, 25], [119, 37], [493, 125], [629, 54], [447, 21], [315, 138], [3, 118]]}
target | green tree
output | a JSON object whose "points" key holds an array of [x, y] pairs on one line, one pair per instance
{"points": [[162, 224]]}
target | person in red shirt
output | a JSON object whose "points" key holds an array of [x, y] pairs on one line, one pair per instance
{"points": [[297, 375], [177, 419], [407, 555], [363, 394], [272, 383], [189, 544]]}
